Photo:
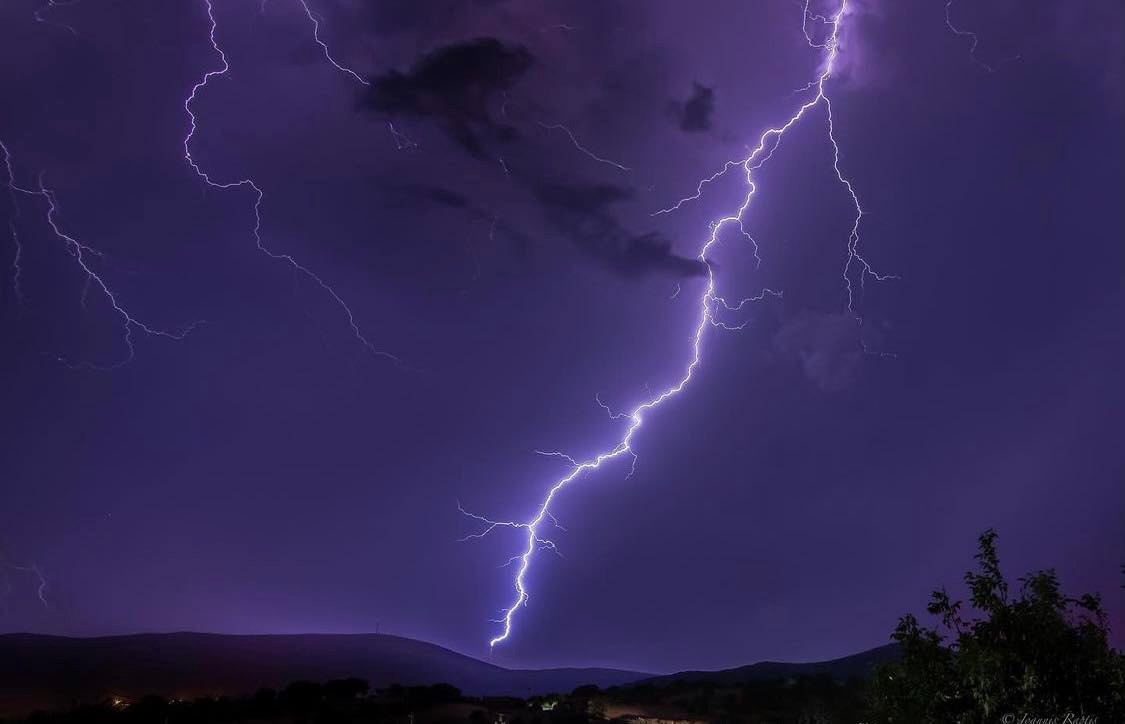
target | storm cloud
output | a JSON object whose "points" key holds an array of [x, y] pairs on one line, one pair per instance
{"points": [[454, 84], [694, 114], [584, 214]]}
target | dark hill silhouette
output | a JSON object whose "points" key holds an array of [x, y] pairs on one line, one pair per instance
{"points": [[57, 672], [51, 672], [857, 665]]}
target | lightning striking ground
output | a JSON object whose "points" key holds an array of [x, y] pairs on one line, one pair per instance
{"points": [[248, 183], [856, 270]]}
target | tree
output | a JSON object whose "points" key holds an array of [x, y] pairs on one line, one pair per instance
{"points": [[1038, 653], [346, 689]]}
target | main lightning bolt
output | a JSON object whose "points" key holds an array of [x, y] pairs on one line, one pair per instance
{"points": [[259, 195], [856, 266]]}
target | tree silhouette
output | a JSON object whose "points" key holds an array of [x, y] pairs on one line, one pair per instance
{"points": [[1037, 654]]}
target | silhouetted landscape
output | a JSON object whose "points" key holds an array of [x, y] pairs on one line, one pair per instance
{"points": [[374, 678], [53, 671], [1030, 649], [633, 361]]}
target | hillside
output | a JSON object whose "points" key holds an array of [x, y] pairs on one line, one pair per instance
{"points": [[856, 665], [55, 671]]}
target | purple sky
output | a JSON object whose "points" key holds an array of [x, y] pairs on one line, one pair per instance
{"points": [[269, 474]]}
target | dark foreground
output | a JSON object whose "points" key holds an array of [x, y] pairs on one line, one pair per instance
{"points": [[209, 677], [806, 699], [1021, 653]]}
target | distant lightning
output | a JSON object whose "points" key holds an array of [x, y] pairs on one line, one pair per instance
{"points": [[974, 41], [580, 147], [41, 15], [709, 304], [403, 142], [259, 195], [324, 46], [82, 253], [17, 270], [17, 245], [40, 589], [558, 26]]}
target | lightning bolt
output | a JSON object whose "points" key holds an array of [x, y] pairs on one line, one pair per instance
{"points": [[17, 254], [82, 254], [40, 589], [248, 183], [580, 147], [403, 142], [710, 302], [41, 15], [974, 41], [324, 46]]}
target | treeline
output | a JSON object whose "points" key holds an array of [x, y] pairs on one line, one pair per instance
{"points": [[341, 700], [806, 699]]}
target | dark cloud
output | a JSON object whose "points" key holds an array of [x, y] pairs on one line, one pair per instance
{"points": [[445, 197], [694, 114], [826, 345], [583, 214], [520, 241], [455, 84]]}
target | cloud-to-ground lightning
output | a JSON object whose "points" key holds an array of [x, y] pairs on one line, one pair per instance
{"points": [[248, 183], [82, 254], [580, 147], [709, 304], [974, 41]]}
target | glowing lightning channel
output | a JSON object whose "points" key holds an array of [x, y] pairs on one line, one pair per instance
{"points": [[580, 147], [259, 195], [6, 565], [17, 255], [80, 251], [324, 46], [974, 41], [710, 299], [40, 15], [403, 142]]}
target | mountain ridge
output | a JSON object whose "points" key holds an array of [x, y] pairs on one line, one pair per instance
{"points": [[40, 671]]}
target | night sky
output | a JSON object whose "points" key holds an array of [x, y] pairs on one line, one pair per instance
{"points": [[271, 472]]}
